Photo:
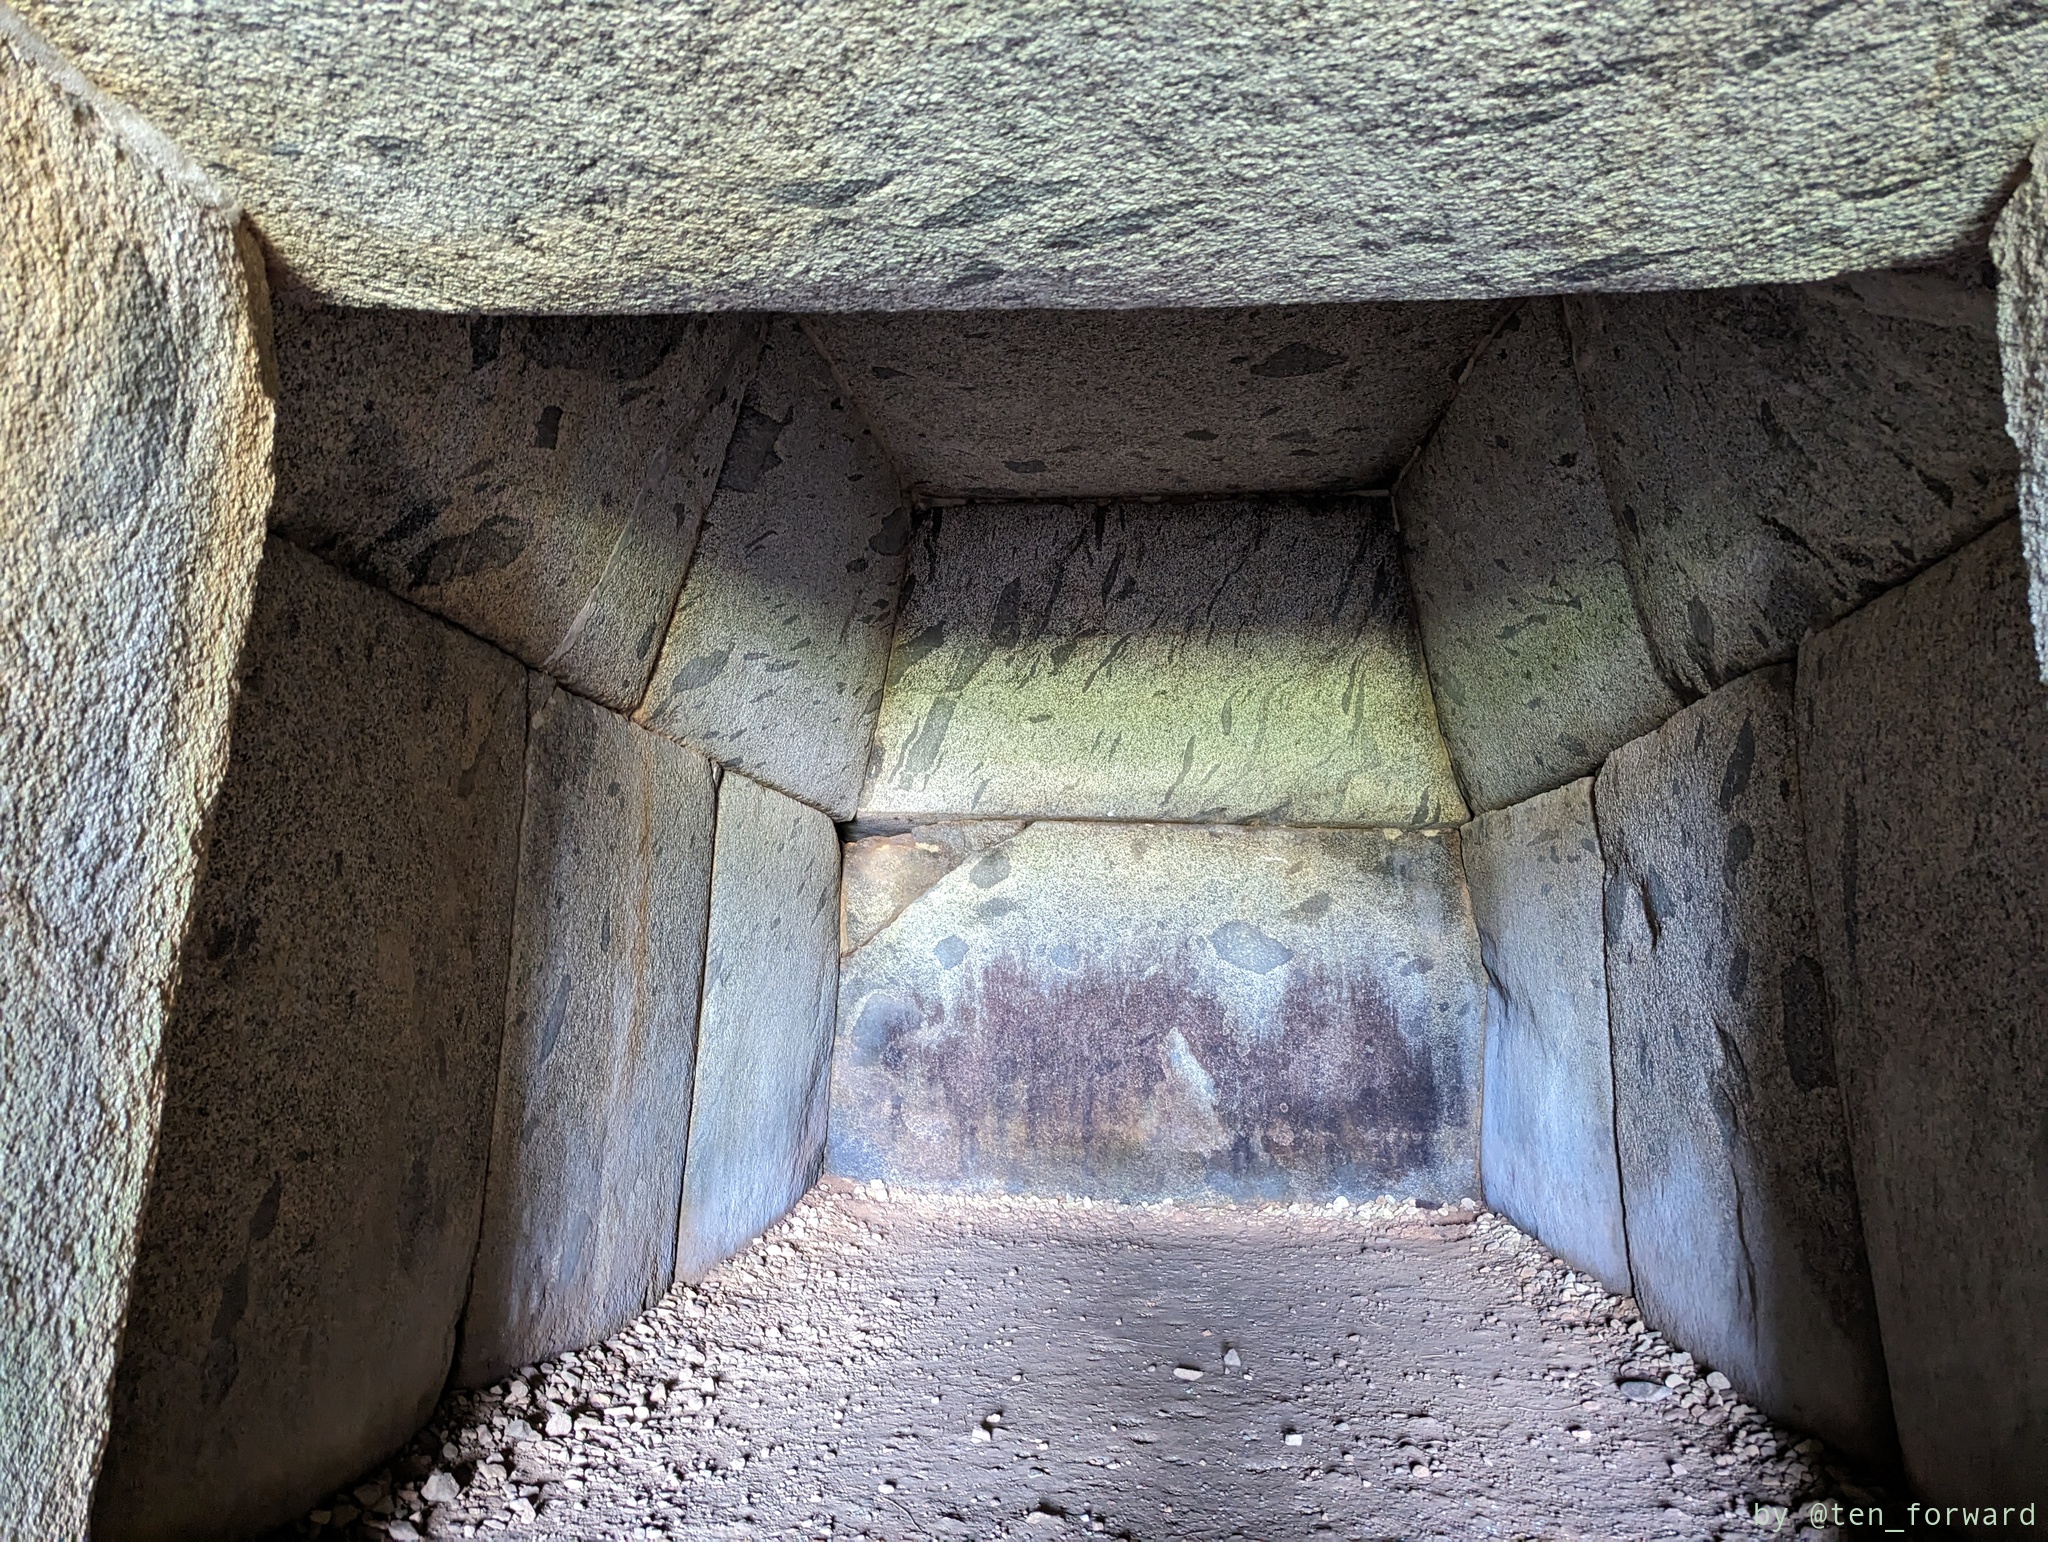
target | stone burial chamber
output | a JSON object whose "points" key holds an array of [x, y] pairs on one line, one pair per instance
{"points": [[555, 696]]}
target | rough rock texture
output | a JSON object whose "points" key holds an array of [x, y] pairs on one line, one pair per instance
{"points": [[879, 875], [875, 154], [1536, 653], [1924, 736], [775, 658], [134, 473], [1743, 1229], [1779, 456], [764, 1040], [1064, 404], [2020, 244], [328, 1068], [1207, 662], [593, 1109], [539, 482], [1137, 1011], [1546, 1140], [990, 1370]]}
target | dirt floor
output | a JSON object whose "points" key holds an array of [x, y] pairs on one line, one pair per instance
{"points": [[900, 1366]]}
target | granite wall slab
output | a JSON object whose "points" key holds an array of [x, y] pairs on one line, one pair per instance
{"points": [[593, 1106], [1546, 1144], [878, 154], [328, 1068], [1743, 1230], [1924, 737], [774, 661], [135, 431], [764, 1041], [537, 481], [1779, 456], [1141, 1011], [1205, 662], [1536, 653], [2020, 245], [1024, 404]]}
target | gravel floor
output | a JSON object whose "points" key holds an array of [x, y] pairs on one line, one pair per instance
{"points": [[905, 1366]]}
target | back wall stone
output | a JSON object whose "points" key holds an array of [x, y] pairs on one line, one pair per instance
{"points": [[1147, 1011], [1206, 661]]}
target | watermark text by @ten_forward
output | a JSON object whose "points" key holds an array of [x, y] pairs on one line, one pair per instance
{"points": [[1902, 1519]]}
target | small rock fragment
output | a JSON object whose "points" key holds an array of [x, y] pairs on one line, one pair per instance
{"points": [[1645, 1391], [1292, 1437], [1232, 1359], [1717, 1381], [559, 1423], [440, 1489], [402, 1531], [1187, 1373]]}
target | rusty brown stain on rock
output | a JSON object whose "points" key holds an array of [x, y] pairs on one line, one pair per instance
{"points": [[1073, 1075]]}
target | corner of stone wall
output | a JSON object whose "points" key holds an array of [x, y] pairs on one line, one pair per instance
{"points": [[2019, 244]]}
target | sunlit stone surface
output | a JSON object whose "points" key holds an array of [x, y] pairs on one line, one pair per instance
{"points": [[1206, 661]]}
